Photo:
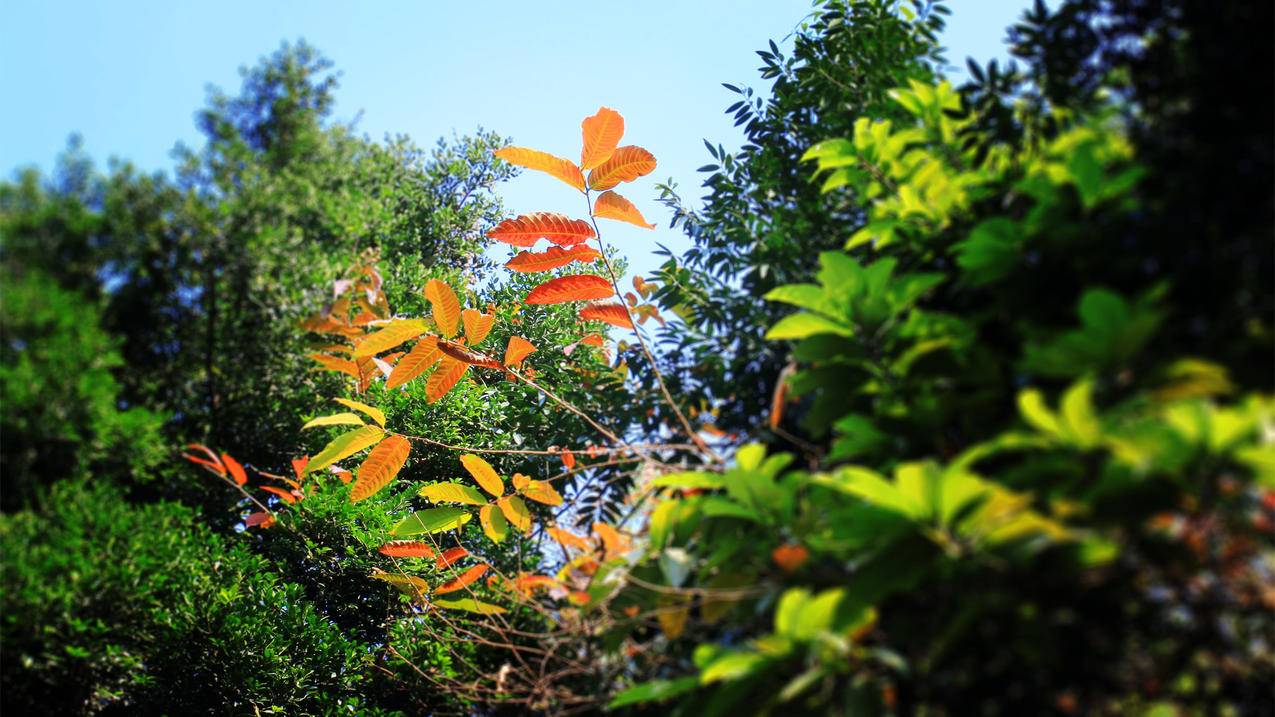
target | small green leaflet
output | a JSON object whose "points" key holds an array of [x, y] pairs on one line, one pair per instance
{"points": [[432, 520], [452, 493], [470, 605], [344, 446]]}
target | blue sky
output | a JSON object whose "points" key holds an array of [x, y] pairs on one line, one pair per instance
{"points": [[129, 75]]}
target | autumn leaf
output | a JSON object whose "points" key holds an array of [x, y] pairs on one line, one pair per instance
{"points": [[462, 582], [541, 492], [529, 262], [608, 312], [515, 512], [577, 287], [236, 470], [493, 522], [380, 467], [393, 334], [298, 466], [447, 375], [335, 363], [461, 353], [450, 556], [452, 493], [212, 463], [601, 133], [569, 540], [594, 340], [445, 306], [344, 446], [613, 542], [517, 350], [525, 230], [431, 520], [789, 557], [409, 585], [569, 460], [470, 605], [483, 474], [258, 519], [610, 205], [374, 413], [477, 325], [423, 355], [627, 164], [285, 496], [407, 549], [563, 169]]}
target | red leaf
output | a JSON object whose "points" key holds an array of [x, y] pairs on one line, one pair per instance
{"points": [[212, 463], [609, 312], [578, 287], [460, 353], [298, 466], [463, 581], [569, 460], [525, 230], [236, 470], [450, 556], [790, 557], [407, 549], [262, 519], [285, 496], [552, 258], [517, 350]]}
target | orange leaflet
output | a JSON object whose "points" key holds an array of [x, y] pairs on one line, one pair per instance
{"points": [[335, 363], [380, 467], [569, 540], [407, 549], [525, 230], [447, 375], [579, 287], [284, 495], [477, 325], [258, 519], [790, 557], [463, 581], [601, 133], [421, 357], [569, 460], [627, 164], [609, 312], [213, 463], [552, 258], [517, 350], [236, 470], [593, 340], [483, 474], [450, 556], [445, 305], [563, 169], [612, 206], [460, 353], [298, 466]]}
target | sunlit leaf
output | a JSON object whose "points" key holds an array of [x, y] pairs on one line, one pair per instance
{"points": [[450, 556], [423, 355], [298, 466], [431, 520], [569, 458], [577, 287], [393, 334], [484, 474], [409, 585], [213, 462], [610, 205], [236, 470], [344, 446], [563, 169], [463, 581], [445, 306], [600, 133], [447, 375], [407, 549], [335, 363], [552, 258], [541, 492], [259, 519], [608, 312], [493, 522], [338, 419], [525, 230], [567, 539], [461, 353], [285, 496], [374, 413], [517, 350], [452, 493], [477, 325], [515, 512], [470, 605], [625, 165], [380, 467]]}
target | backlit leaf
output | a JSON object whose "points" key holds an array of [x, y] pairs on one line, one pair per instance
{"points": [[445, 305], [298, 466], [394, 333], [285, 496], [517, 350], [470, 605], [613, 541], [463, 581], [213, 463], [625, 165], [447, 375], [380, 467], [477, 325], [374, 413], [525, 230], [452, 493], [541, 492], [409, 585], [529, 262], [515, 512], [449, 556], [335, 363], [461, 353], [484, 474], [420, 358], [407, 549], [610, 205], [570, 540], [601, 133], [608, 312], [431, 520], [344, 446], [493, 522], [236, 470], [563, 169], [578, 287], [337, 419], [569, 459]]}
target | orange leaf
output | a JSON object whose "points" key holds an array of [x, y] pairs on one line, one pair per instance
{"points": [[483, 474], [422, 356], [627, 164], [790, 557], [445, 305], [284, 495], [344, 475], [612, 206], [407, 549], [552, 258], [519, 480], [447, 375], [460, 353], [379, 468], [517, 350], [236, 470], [529, 583], [563, 169], [463, 581], [258, 519], [213, 463], [613, 541], [525, 230], [541, 492], [515, 512], [579, 597], [569, 460], [394, 333], [609, 312], [578, 287], [570, 540], [335, 363], [601, 133], [450, 556], [477, 325], [593, 340]]}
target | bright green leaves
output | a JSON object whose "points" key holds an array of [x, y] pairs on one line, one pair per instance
{"points": [[493, 522], [469, 605], [431, 520], [1074, 424], [1112, 332]]}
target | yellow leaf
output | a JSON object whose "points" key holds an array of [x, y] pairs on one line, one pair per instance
{"points": [[601, 133], [344, 446], [420, 358], [563, 169], [445, 305], [517, 350], [541, 492], [452, 493], [338, 419], [515, 512], [380, 467], [477, 325], [374, 413], [394, 333], [484, 474], [494, 523], [409, 585], [447, 375], [610, 205]]}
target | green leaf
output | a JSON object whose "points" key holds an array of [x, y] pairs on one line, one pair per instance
{"points": [[688, 479], [339, 419], [731, 666], [344, 446], [1031, 404], [805, 296], [431, 520], [654, 691], [469, 605], [493, 522], [749, 457], [801, 325], [452, 493]]}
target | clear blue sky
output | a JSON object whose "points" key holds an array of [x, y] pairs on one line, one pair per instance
{"points": [[129, 75]]}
